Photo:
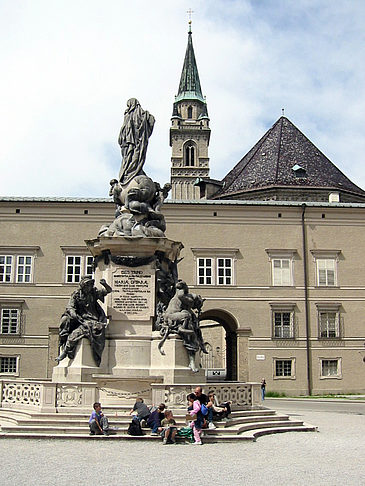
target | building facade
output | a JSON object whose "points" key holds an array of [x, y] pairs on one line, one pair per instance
{"points": [[275, 248], [284, 281]]}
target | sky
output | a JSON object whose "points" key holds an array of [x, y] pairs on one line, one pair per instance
{"points": [[69, 66]]}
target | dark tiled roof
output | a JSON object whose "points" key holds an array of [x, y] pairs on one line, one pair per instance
{"points": [[271, 161]]}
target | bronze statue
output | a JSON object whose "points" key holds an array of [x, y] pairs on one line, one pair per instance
{"points": [[182, 317], [133, 140], [84, 318]]}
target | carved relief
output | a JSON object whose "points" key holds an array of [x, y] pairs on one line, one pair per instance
{"points": [[69, 396], [240, 395]]}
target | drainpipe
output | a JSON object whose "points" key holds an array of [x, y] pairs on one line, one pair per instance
{"points": [[307, 319]]}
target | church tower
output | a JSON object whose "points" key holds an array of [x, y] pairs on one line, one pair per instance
{"points": [[189, 132]]}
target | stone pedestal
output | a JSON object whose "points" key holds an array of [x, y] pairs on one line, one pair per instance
{"points": [[79, 369], [131, 361], [173, 365]]}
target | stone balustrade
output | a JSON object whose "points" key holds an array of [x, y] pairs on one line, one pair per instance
{"points": [[47, 397], [242, 395]]}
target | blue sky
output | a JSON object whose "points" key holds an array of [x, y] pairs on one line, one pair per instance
{"points": [[69, 66]]}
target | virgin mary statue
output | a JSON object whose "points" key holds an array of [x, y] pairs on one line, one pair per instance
{"points": [[133, 140]]}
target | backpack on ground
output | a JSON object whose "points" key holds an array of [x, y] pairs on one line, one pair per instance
{"points": [[186, 433], [135, 428]]}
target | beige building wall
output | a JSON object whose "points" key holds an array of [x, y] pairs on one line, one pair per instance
{"points": [[251, 235]]}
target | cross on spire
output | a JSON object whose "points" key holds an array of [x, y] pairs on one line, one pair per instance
{"points": [[190, 12]]}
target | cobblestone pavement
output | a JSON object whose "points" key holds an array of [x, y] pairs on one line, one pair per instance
{"points": [[333, 456]]}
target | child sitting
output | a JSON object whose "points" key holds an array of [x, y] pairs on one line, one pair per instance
{"points": [[169, 428], [98, 423], [194, 412]]}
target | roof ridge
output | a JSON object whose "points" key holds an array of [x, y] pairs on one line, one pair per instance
{"points": [[279, 148]]}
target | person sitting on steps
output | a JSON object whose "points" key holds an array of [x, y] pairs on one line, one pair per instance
{"points": [[169, 428], [98, 423], [217, 411], [142, 410], [154, 420]]}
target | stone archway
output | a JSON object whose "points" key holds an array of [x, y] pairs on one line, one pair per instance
{"points": [[228, 322]]}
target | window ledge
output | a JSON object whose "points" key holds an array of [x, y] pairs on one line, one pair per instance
{"points": [[214, 286], [326, 286], [283, 338], [284, 377], [282, 286], [337, 338], [19, 284], [331, 378]]}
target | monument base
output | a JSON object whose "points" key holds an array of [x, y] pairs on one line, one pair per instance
{"points": [[172, 366], [79, 369]]}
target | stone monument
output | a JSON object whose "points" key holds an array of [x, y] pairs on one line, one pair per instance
{"points": [[144, 335]]}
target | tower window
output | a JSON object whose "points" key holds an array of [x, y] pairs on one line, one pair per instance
{"points": [[189, 154], [190, 112]]}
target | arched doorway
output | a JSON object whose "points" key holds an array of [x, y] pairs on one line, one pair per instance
{"points": [[219, 329]]}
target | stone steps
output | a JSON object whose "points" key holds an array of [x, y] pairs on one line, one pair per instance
{"points": [[57, 429], [251, 435], [77, 420], [244, 425]]}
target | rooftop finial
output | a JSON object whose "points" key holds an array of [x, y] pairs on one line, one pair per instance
{"points": [[282, 111], [190, 12]]}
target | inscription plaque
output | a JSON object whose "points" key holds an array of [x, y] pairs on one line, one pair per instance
{"points": [[133, 292]]}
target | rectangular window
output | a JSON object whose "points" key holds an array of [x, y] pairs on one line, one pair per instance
{"points": [[326, 272], [215, 266], [8, 364], [24, 269], [89, 270], [283, 325], [283, 367], [281, 271], [205, 271], [16, 268], [224, 271], [9, 323], [330, 367], [6, 265], [329, 325], [78, 266]]}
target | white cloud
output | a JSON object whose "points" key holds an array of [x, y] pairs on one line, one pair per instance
{"points": [[69, 67]]}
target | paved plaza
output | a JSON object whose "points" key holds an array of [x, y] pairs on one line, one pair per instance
{"points": [[333, 456]]}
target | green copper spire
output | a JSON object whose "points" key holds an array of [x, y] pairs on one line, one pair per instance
{"points": [[189, 87]]}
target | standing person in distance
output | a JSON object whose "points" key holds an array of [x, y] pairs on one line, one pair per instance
{"points": [[263, 389]]}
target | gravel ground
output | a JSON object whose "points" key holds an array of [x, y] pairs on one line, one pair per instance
{"points": [[333, 456]]}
